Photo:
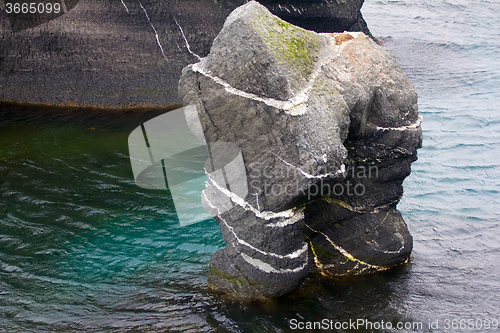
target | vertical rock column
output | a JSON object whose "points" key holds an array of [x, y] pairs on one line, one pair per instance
{"points": [[302, 109]]}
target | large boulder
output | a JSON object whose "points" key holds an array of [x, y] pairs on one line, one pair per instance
{"points": [[327, 126], [129, 53]]}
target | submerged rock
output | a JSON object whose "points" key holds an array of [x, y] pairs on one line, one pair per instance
{"points": [[328, 126], [129, 53]]}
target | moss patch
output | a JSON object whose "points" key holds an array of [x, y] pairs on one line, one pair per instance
{"points": [[234, 280], [235, 285], [296, 47]]}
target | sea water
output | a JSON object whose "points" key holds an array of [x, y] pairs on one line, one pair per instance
{"points": [[82, 248]]}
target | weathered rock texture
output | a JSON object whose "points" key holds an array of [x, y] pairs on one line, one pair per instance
{"points": [[130, 52], [327, 125]]}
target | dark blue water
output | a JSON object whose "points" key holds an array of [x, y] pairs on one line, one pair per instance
{"points": [[83, 249], [451, 52]]}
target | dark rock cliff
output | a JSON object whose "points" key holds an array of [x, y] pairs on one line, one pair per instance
{"points": [[130, 53]]}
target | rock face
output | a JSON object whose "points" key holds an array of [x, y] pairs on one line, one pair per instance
{"points": [[129, 53], [328, 126]]}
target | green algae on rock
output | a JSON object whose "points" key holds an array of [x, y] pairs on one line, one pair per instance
{"points": [[290, 44]]}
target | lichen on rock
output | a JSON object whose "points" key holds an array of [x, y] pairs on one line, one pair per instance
{"points": [[328, 126], [296, 47]]}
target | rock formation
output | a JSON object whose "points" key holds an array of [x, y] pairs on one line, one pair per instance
{"points": [[327, 125], [129, 52]]}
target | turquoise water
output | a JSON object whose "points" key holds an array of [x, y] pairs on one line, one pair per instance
{"points": [[82, 248]]}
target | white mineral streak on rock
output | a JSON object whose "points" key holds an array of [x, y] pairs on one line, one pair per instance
{"points": [[266, 215], [124, 5], [154, 30], [294, 219], [268, 268], [282, 105], [402, 128], [210, 203], [295, 106], [186, 41], [259, 263], [308, 175], [257, 201], [292, 255]]}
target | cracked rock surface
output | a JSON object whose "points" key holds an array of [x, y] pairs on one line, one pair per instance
{"points": [[129, 53], [327, 125]]}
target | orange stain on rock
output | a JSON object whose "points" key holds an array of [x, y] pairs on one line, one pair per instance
{"points": [[341, 37]]}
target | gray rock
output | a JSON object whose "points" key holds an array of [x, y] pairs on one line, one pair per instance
{"points": [[327, 126], [107, 54]]}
